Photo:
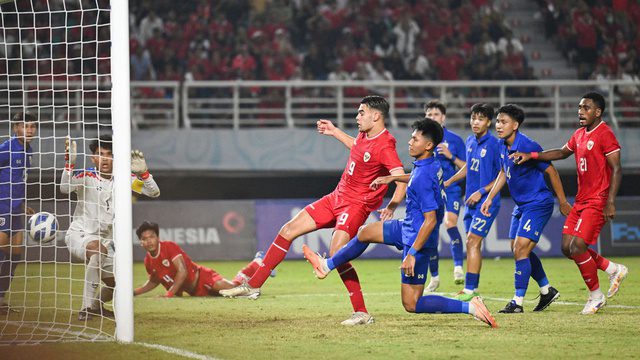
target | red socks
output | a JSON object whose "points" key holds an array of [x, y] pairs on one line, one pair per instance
{"points": [[588, 269], [247, 271], [276, 253], [601, 261], [350, 279]]}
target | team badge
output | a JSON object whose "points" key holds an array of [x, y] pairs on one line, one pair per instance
{"points": [[165, 262], [483, 152], [366, 157], [590, 145], [2, 221]]}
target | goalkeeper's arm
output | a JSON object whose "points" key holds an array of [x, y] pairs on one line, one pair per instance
{"points": [[143, 182], [69, 183]]}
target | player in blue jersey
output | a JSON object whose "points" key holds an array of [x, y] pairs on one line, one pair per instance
{"points": [[483, 165], [534, 205], [451, 154], [15, 160], [415, 234]]}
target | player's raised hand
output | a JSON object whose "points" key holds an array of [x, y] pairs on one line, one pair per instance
{"points": [[138, 163], [474, 198], [486, 205], [565, 208], [520, 157], [408, 264], [382, 180], [609, 211], [70, 151], [443, 150], [325, 127]]}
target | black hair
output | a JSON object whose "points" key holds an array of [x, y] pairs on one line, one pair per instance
{"points": [[435, 104], [597, 99], [147, 225], [377, 102], [429, 129], [104, 142], [23, 117], [483, 109], [514, 111]]}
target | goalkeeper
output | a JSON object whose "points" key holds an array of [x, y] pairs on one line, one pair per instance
{"points": [[90, 235]]}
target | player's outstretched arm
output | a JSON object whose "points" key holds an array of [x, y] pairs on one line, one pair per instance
{"points": [[326, 127], [613, 161], [141, 171], [461, 174], [429, 223], [148, 286], [498, 184], [547, 155], [179, 279], [556, 184], [68, 182], [398, 194]]}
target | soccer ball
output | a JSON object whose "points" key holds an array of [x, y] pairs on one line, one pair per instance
{"points": [[43, 227]]}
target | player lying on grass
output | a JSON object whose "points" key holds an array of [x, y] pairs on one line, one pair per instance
{"points": [[534, 206], [169, 265], [415, 234]]}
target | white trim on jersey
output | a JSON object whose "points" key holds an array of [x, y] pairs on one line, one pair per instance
{"points": [[611, 152]]}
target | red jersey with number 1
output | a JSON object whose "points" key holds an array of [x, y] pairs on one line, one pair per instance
{"points": [[161, 269], [591, 149], [369, 159]]}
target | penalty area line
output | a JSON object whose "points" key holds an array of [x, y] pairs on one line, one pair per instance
{"points": [[173, 350]]}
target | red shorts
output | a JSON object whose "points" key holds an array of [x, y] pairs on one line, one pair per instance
{"points": [[330, 211], [585, 221], [206, 282]]}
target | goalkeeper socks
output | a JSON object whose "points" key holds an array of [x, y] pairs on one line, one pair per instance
{"points": [[352, 283], [352, 250], [274, 256], [588, 269], [433, 261], [471, 282], [521, 277], [538, 274], [456, 245], [435, 304], [91, 281], [603, 263]]}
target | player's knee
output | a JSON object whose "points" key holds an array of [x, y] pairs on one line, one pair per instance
{"points": [[473, 243], [288, 230], [566, 250], [409, 306], [449, 223]]}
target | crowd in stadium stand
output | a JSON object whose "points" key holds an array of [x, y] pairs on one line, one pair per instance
{"points": [[323, 39]]}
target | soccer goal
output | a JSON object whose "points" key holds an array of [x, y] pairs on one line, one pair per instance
{"points": [[64, 63]]}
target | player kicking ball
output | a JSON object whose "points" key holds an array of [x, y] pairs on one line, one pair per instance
{"points": [[597, 154], [90, 235], [534, 206], [169, 265], [414, 235]]}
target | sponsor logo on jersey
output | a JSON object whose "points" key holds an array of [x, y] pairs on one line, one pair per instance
{"points": [[469, 149], [166, 263], [483, 152], [589, 144], [366, 157]]}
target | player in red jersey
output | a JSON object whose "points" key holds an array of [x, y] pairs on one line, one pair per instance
{"points": [[169, 265], [372, 154], [597, 154]]}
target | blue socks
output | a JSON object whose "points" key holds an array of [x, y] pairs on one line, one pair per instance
{"points": [[522, 273], [456, 246], [471, 281], [433, 261], [352, 250], [537, 271], [435, 304]]}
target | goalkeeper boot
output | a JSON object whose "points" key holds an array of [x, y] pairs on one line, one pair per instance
{"points": [[319, 263], [85, 314], [359, 318], [512, 308], [547, 299], [616, 279], [482, 313], [241, 291], [102, 312]]}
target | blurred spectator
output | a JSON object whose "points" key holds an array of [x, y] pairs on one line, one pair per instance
{"points": [[141, 66], [148, 24]]}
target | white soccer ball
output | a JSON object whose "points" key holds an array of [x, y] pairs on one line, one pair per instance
{"points": [[42, 227]]}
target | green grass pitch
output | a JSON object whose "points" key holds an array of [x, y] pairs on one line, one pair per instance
{"points": [[298, 317]]}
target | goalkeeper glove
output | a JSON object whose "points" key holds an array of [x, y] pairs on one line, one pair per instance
{"points": [[70, 152], [139, 165]]}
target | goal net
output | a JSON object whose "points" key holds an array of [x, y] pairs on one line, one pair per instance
{"points": [[55, 64]]}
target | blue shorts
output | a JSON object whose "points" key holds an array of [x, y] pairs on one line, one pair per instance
{"points": [[454, 200], [476, 223], [392, 235], [529, 221], [13, 221]]}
